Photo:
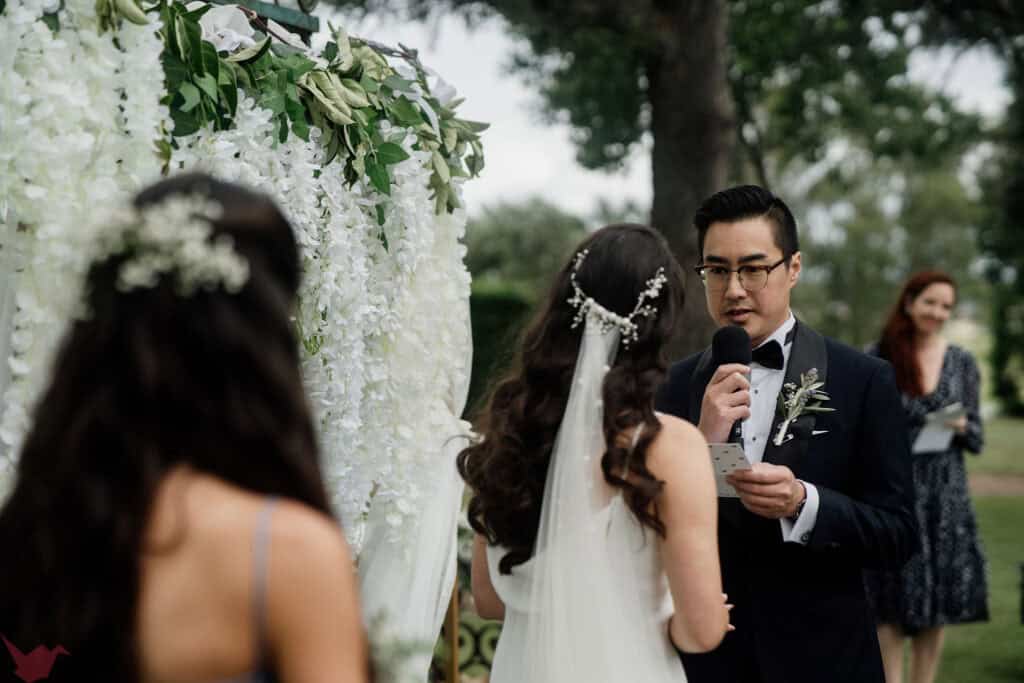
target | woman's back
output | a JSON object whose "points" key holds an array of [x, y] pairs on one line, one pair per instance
{"points": [[225, 571]]}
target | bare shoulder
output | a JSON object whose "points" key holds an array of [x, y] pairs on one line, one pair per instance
{"points": [[678, 446], [307, 538]]}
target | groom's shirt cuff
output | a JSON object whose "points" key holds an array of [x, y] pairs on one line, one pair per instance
{"points": [[799, 530]]}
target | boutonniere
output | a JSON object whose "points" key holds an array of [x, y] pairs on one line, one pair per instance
{"points": [[795, 401]]}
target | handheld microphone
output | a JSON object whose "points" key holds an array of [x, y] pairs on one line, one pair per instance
{"points": [[731, 344]]}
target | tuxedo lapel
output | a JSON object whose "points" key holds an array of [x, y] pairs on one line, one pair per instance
{"points": [[808, 353]]}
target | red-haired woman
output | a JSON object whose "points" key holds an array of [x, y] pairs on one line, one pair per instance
{"points": [[945, 583]]}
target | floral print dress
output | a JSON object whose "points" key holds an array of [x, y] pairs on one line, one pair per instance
{"points": [[945, 581]]}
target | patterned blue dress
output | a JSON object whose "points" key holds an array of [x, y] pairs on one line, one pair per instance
{"points": [[946, 581]]}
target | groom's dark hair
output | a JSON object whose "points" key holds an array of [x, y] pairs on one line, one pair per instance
{"points": [[747, 201]]}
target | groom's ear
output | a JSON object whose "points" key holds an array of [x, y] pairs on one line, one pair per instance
{"points": [[794, 268]]}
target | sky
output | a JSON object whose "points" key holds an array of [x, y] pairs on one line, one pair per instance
{"points": [[527, 156]]}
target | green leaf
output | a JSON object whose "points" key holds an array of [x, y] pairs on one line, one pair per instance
{"points": [[441, 166], [194, 43], [380, 221], [333, 146], [379, 177], [229, 95], [181, 36], [475, 126], [369, 85], [208, 84], [211, 61], [274, 100], [241, 76], [197, 14], [191, 95], [397, 83], [52, 21], [250, 53], [167, 15], [297, 114], [330, 51], [185, 123], [283, 129], [301, 128], [405, 112], [175, 71], [390, 153], [226, 75], [284, 51]]}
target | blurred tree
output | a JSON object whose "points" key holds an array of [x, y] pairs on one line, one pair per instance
{"points": [[520, 246], [800, 75], [514, 251], [1002, 239], [870, 232], [998, 24]]}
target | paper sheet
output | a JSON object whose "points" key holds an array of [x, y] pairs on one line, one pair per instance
{"points": [[726, 458], [936, 436]]}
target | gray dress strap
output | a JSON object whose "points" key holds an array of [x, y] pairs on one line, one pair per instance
{"points": [[261, 541]]}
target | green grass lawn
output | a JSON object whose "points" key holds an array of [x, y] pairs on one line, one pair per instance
{"points": [[1004, 448], [993, 652]]}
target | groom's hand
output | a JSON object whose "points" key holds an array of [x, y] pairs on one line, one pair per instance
{"points": [[768, 490], [726, 400]]}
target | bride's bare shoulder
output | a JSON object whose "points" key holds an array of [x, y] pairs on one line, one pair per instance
{"points": [[678, 444]]}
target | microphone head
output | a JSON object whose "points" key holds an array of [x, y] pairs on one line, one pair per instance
{"points": [[731, 344]]}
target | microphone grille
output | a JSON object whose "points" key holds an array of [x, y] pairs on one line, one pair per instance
{"points": [[731, 344]]}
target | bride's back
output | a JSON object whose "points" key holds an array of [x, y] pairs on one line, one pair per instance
{"points": [[589, 508]]}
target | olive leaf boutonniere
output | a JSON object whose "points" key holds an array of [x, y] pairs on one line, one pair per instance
{"points": [[795, 401]]}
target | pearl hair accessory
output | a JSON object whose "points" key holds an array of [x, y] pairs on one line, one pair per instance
{"points": [[586, 306]]}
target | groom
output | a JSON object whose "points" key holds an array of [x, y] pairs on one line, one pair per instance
{"points": [[828, 495]]}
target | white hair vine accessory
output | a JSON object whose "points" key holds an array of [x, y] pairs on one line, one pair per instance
{"points": [[586, 306], [171, 236]]}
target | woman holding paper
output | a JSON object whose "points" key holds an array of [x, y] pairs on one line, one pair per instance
{"points": [[945, 582]]}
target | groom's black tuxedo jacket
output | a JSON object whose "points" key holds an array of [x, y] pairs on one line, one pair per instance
{"points": [[801, 613]]}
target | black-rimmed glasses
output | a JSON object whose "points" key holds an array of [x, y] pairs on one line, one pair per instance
{"points": [[752, 278]]}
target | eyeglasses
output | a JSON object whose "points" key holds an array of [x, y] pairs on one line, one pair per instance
{"points": [[752, 278]]}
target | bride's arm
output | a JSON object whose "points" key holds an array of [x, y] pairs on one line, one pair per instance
{"points": [[688, 506], [488, 604]]}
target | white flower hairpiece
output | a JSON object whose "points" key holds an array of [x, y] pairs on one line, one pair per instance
{"points": [[172, 236], [585, 305]]}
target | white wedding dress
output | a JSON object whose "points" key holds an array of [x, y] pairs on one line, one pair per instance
{"points": [[633, 552]]}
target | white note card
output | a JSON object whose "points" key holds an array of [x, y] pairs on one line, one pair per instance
{"points": [[936, 436], [726, 458]]}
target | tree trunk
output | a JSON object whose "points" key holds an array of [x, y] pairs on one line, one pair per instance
{"points": [[693, 126]]}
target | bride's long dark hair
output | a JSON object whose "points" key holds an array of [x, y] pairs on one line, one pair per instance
{"points": [[506, 469], [149, 381]]}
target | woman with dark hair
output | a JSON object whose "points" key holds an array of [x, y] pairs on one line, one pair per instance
{"points": [[169, 520], [945, 582], [593, 513]]}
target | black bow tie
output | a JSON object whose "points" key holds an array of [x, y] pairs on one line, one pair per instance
{"points": [[769, 355]]}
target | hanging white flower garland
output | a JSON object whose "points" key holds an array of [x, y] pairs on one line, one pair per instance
{"points": [[80, 116]]}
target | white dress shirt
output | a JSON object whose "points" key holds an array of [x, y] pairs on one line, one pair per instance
{"points": [[765, 385]]}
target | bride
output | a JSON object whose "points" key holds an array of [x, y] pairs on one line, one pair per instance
{"points": [[595, 517]]}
